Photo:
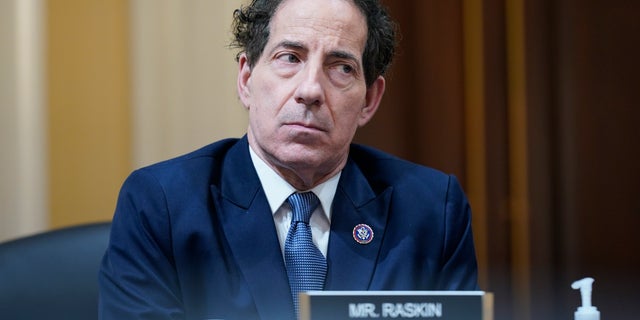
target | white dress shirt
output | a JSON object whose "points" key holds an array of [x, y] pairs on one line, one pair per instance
{"points": [[278, 190]]}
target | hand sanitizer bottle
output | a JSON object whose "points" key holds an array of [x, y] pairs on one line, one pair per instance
{"points": [[586, 311]]}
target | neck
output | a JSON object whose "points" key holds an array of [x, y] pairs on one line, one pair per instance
{"points": [[304, 180], [300, 174]]}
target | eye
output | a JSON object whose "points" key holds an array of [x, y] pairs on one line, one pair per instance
{"points": [[288, 58], [346, 68], [343, 74]]}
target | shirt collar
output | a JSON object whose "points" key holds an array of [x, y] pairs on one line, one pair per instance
{"points": [[278, 190]]}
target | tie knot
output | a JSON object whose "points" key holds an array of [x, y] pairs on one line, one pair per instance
{"points": [[302, 206]]}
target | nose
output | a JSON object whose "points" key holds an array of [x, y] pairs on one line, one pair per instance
{"points": [[310, 89]]}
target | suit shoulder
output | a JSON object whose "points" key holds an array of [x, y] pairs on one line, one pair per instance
{"points": [[209, 152], [195, 163], [376, 163], [383, 170]]}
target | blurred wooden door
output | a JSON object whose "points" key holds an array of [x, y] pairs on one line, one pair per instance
{"points": [[533, 105]]}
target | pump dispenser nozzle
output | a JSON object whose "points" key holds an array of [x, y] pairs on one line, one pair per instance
{"points": [[586, 311]]}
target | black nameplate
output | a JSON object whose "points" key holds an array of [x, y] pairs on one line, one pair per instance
{"points": [[444, 305]]}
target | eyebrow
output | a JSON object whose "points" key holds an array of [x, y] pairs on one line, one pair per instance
{"points": [[344, 55], [290, 45], [299, 46]]}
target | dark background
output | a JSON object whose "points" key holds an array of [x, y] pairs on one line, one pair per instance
{"points": [[534, 106]]}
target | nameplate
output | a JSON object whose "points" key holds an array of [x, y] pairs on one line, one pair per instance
{"points": [[444, 305]]}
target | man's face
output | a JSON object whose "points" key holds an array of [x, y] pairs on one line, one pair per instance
{"points": [[306, 95]]}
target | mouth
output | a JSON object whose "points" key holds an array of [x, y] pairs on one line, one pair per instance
{"points": [[304, 126]]}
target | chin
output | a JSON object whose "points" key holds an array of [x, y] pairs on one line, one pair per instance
{"points": [[300, 157]]}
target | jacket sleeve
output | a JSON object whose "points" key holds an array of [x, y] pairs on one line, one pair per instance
{"points": [[460, 269], [137, 277]]}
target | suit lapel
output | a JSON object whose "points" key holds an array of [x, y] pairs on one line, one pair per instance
{"points": [[248, 225], [351, 264]]}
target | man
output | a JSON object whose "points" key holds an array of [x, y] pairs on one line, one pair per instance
{"points": [[211, 234]]}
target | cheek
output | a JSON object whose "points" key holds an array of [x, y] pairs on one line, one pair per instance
{"points": [[261, 117], [346, 123], [348, 113], [269, 96], [264, 112]]}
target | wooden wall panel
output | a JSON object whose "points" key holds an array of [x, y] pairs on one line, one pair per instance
{"points": [[540, 31], [557, 130], [88, 95], [599, 151], [421, 115], [23, 175]]}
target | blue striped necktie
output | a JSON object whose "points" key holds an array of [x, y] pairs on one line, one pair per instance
{"points": [[306, 266]]}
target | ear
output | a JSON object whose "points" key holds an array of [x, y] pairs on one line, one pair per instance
{"points": [[244, 75], [372, 101]]}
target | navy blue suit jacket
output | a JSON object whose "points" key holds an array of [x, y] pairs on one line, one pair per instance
{"points": [[194, 237]]}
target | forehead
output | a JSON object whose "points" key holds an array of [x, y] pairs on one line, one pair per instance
{"points": [[337, 23]]}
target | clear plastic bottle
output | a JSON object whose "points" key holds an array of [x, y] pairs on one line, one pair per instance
{"points": [[586, 311]]}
